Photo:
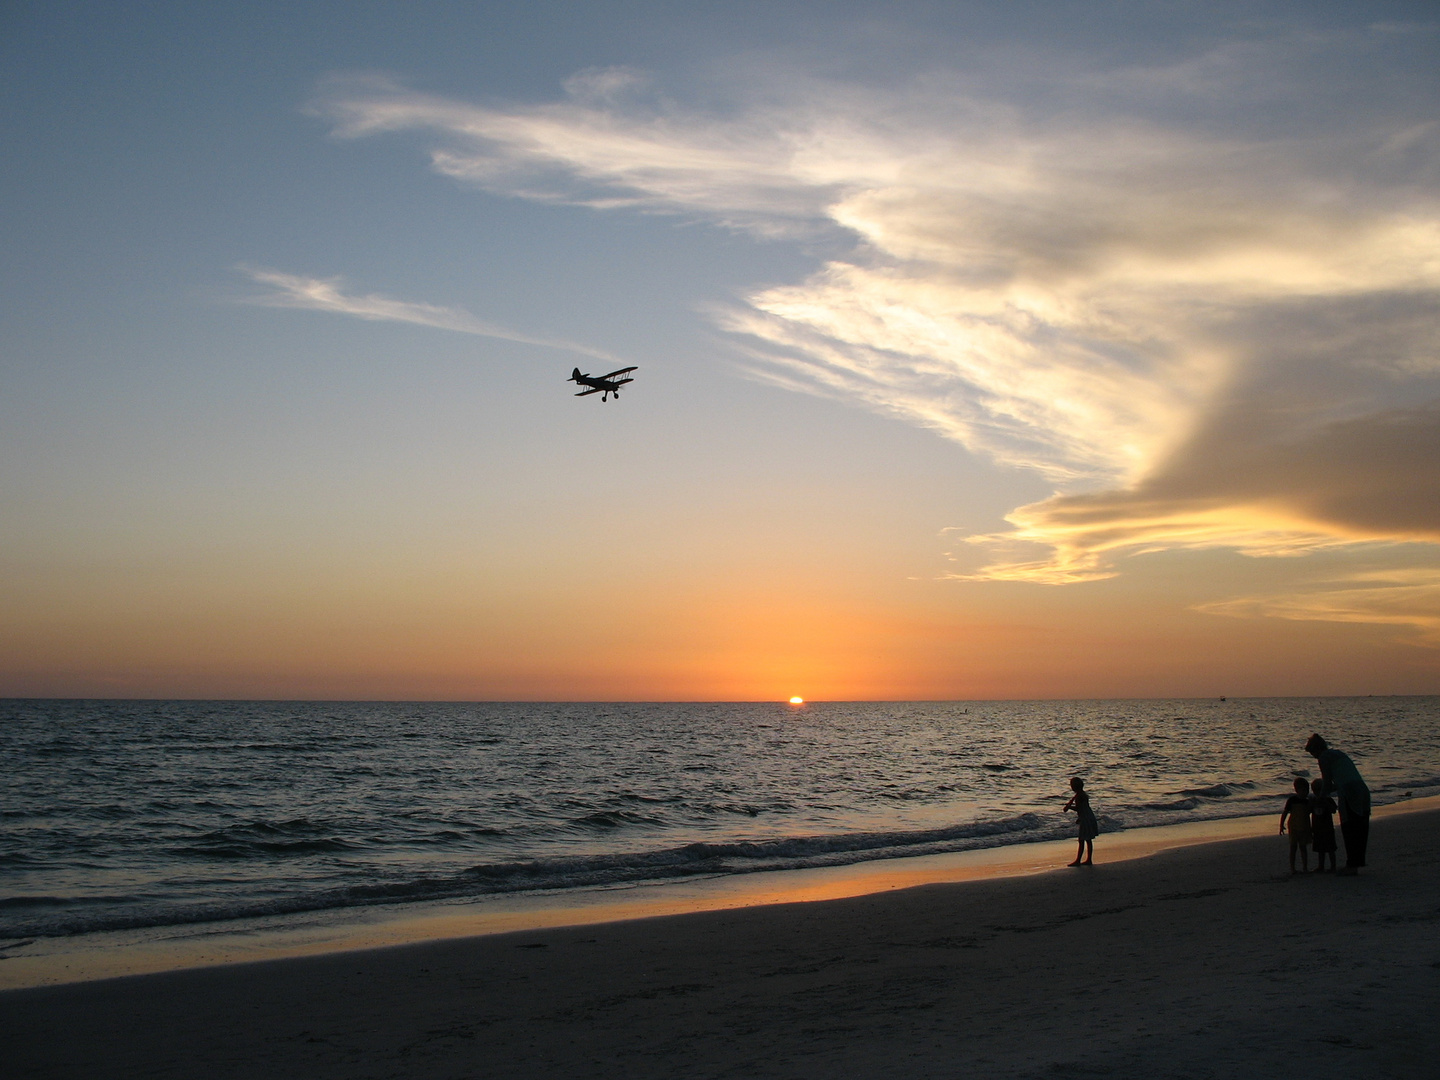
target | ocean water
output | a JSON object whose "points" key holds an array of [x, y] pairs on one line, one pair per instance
{"points": [[131, 814]]}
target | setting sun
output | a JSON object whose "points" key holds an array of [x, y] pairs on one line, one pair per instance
{"points": [[797, 701]]}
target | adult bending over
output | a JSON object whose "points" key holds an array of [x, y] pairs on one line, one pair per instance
{"points": [[1341, 777]]}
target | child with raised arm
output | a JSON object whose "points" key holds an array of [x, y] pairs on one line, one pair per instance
{"points": [[1297, 810], [1322, 824], [1089, 827]]}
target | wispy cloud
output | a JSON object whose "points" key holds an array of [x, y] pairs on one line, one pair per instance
{"points": [[1408, 599], [327, 294], [601, 147], [1206, 325]]}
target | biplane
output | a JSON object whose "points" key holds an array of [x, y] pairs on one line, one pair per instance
{"points": [[604, 385]]}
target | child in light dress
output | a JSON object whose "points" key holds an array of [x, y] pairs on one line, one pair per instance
{"points": [[1297, 811], [1089, 827]]}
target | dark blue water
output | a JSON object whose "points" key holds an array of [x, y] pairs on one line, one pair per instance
{"points": [[122, 814]]}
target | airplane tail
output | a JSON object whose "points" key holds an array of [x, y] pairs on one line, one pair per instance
{"points": [[574, 376]]}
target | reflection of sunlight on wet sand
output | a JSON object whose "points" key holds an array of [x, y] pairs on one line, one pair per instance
{"points": [[137, 952]]}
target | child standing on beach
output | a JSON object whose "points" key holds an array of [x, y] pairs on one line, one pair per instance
{"points": [[1297, 809], [1089, 827], [1322, 824]]}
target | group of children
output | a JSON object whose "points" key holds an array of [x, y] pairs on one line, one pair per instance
{"points": [[1310, 813]]}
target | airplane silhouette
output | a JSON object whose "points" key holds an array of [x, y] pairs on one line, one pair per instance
{"points": [[604, 385]]}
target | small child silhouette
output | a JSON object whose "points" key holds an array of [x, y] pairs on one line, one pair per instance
{"points": [[1089, 827], [1297, 809], [1322, 824]]}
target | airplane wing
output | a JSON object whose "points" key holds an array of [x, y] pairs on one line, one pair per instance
{"points": [[596, 390], [622, 371]]}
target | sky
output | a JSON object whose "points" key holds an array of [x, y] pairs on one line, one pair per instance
{"points": [[985, 350]]}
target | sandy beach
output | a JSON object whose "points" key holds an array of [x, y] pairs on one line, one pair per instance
{"points": [[1202, 961]]}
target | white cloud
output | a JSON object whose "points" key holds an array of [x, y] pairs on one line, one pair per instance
{"points": [[327, 294], [1206, 328], [588, 151]]}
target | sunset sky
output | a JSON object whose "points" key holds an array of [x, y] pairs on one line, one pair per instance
{"points": [[1019, 350]]}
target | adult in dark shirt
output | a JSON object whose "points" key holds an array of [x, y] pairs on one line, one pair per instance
{"points": [[1343, 779]]}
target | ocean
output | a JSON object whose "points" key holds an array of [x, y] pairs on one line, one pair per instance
{"points": [[121, 815]]}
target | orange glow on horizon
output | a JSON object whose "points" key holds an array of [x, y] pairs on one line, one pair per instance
{"points": [[340, 634]]}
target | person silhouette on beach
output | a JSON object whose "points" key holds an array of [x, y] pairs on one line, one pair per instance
{"points": [[1322, 825], [1297, 810], [1340, 776], [1089, 827]]}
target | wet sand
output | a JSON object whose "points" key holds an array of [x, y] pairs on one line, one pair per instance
{"points": [[109, 955], [1202, 961]]}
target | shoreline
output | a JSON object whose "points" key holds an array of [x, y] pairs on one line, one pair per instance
{"points": [[116, 954], [1199, 961]]}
